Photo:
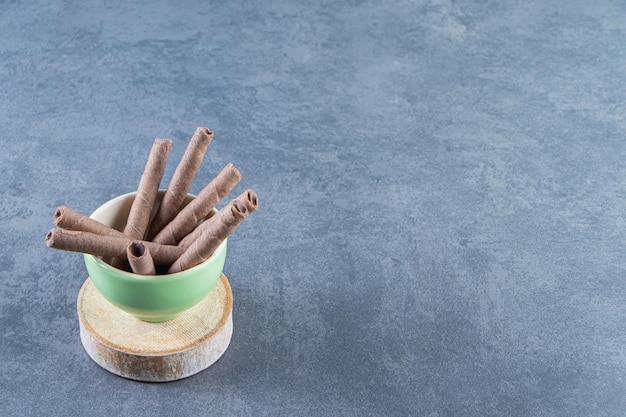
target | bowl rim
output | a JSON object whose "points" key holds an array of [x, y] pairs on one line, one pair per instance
{"points": [[159, 277]]}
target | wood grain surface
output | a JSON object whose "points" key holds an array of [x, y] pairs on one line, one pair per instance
{"points": [[156, 352]]}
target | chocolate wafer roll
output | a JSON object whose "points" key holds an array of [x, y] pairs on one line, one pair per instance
{"points": [[141, 209], [200, 207], [107, 246], [219, 228], [181, 180], [250, 199], [140, 259], [244, 199], [68, 219]]}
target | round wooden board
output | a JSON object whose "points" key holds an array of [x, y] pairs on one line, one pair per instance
{"points": [[156, 352]]}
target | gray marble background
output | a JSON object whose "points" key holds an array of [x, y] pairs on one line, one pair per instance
{"points": [[442, 195]]}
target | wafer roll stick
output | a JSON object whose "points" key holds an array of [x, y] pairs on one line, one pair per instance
{"points": [[140, 259], [107, 246], [200, 207], [181, 180], [141, 209], [250, 199], [216, 230], [244, 199], [68, 219]]}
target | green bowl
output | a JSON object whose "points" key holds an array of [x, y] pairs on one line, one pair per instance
{"points": [[150, 298]]}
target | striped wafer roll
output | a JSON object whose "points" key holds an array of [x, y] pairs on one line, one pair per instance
{"points": [[200, 207], [248, 200], [107, 246], [140, 259], [218, 228], [66, 218], [181, 180], [141, 209]]}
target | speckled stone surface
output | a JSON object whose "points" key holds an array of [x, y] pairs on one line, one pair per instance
{"points": [[442, 190]]}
